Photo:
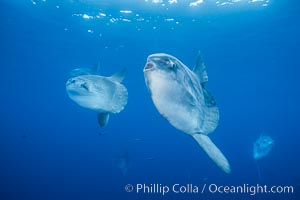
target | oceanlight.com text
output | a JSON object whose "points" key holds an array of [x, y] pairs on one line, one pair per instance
{"points": [[250, 189], [156, 188]]}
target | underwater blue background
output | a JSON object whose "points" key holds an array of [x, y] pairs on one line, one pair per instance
{"points": [[50, 148]]}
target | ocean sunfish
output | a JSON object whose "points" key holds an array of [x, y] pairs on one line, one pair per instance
{"points": [[123, 162], [105, 95], [262, 147], [180, 96]]}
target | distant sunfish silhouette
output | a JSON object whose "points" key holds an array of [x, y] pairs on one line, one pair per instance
{"points": [[105, 95], [123, 162], [262, 147], [180, 96]]}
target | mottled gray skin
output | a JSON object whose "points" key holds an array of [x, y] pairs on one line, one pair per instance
{"points": [[180, 96]]}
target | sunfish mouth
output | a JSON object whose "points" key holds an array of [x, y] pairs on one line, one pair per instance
{"points": [[149, 66]]}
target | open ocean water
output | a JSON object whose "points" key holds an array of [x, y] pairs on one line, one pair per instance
{"points": [[53, 149]]}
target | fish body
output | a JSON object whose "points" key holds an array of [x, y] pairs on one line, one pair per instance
{"points": [[262, 147], [180, 95], [104, 95]]}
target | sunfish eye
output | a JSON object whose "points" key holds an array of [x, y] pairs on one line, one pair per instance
{"points": [[172, 64]]}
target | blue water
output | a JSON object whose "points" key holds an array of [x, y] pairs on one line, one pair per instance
{"points": [[50, 148]]}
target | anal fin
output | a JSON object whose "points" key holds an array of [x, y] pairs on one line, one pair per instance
{"points": [[103, 119], [213, 152]]}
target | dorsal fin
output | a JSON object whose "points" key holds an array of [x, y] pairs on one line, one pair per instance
{"points": [[103, 119], [97, 68], [119, 76], [200, 69]]}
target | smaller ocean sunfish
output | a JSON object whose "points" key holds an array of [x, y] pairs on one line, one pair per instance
{"points": [[123, 162], [102, 94], [262, 147]]}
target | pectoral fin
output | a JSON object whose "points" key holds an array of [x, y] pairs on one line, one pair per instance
{"points": [[103, 119], [213, 152]]}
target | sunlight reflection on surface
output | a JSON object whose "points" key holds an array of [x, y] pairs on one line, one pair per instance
{"points": [[145, 12]]}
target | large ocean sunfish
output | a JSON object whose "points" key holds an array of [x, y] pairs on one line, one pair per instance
{"points": [[180, 96], [105, 95]]}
